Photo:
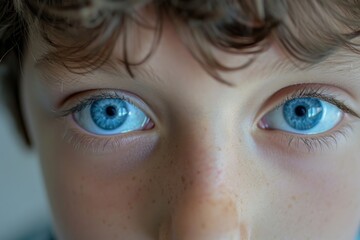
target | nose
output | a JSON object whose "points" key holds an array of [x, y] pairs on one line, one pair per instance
{"points": [[205, 207], [210, 217]]}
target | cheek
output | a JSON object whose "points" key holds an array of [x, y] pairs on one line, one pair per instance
{"points": [[93, 195], [321, 195], [101, 193]]}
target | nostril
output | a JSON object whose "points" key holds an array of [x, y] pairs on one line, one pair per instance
{"points": [[165, 230], [166, 233], [204, 219]]}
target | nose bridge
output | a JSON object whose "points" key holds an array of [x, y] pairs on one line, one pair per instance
{"points": [[206, 207], [203, 156]]}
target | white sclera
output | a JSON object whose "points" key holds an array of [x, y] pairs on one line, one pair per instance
{"points": [[136, 120], [332, 115]]}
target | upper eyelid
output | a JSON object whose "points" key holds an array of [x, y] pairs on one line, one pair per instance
{"points": [[321, 93], [86, 101], [76, 103]]}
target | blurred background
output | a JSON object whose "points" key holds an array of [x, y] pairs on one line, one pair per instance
{"points": [[24, 212]]}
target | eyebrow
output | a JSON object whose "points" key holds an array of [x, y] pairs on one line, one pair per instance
{"points": [[340, 62], [141, 73]]}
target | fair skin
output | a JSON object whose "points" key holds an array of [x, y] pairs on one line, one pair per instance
{"points": [[206, 169]]}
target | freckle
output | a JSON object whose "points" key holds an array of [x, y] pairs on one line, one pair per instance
{"points": [[191, 182], [293, 198], [140, 180], [203, 225], [290, 206], [127, 187], [128, 217], [183, 179], [198, 172], [153, 201], [150, 180], [219, 149], [134, 178]]}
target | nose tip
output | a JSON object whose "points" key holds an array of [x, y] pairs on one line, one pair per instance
{"points": [[204, 218]]}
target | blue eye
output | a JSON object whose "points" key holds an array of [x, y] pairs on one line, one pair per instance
{"points": [[303, 116], [111, 116]]}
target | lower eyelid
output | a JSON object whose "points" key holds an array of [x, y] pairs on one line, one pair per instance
{"points": [[82, 141], [305, 144]]}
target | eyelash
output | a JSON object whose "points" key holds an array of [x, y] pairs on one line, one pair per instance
{"points": [[320, 92], [328, 140], [87, 142], [312, 143], [83, 103]]}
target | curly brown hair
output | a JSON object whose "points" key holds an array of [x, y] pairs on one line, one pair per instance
{"points": [[308, 30]]}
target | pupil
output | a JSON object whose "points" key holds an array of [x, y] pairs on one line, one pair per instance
{"points": [[300, 111], [111, 111]]}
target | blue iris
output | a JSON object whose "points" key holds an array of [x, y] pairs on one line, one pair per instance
{"points": [[109, 114], [303, 113]]}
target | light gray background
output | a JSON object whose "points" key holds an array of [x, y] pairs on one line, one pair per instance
{"points": [[23, 206]]}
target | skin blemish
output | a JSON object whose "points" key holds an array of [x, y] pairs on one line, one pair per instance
{"points": [[183, 179], [203, 226]]}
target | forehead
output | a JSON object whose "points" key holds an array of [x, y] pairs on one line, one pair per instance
{"points": [[173, 73], [308, 35], [172, 55]]}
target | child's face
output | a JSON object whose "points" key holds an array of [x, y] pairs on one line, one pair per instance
{"points": [[272, 157]]}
